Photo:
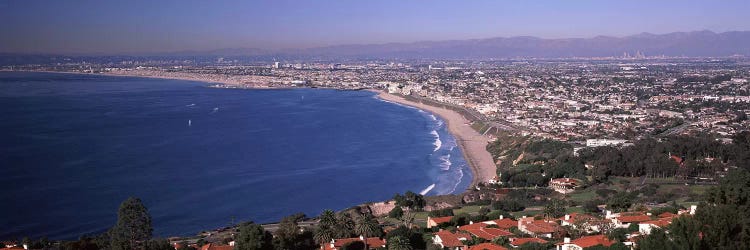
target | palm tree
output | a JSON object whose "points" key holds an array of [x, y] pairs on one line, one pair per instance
{"points": [[366, 226], [323, 235], [344, 225], [326, 230], [399, 243], [327, 218]]}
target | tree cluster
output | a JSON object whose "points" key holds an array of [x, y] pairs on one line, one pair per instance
{"points": [[721, 222], [411, 200]]}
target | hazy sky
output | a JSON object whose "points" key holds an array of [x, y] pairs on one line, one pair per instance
{"points": [[156, 26]]}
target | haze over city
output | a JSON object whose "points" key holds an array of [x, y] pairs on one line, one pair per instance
{"points": [[123, 27]]}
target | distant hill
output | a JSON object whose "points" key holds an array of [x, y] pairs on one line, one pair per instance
{"points": [[693, 44]]}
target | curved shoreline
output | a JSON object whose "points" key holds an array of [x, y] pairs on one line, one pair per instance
{"points": [[472, 144]]}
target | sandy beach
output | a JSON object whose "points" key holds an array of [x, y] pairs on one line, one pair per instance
{"points": [[245, 81], [472, 144]]}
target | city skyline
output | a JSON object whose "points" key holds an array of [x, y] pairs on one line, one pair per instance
{"points": [[140, 27]]}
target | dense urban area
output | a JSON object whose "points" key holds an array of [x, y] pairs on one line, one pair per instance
{"points": [[628, 152]]}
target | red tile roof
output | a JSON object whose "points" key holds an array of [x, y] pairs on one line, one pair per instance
{"points": [[667, 215], [487, 246], [211, 246], [506, 223], [540, 226], [574, 217], [452, 239], [634, 218], [659, 223], [592, 240], [521, 241], [484, 232], [439, 220], [372, 242]]}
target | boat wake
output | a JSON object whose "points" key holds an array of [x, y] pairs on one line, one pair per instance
{"points": [[428, 189]]}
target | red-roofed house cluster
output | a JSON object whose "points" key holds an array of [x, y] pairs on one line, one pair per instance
{"points": [[548, 230]]}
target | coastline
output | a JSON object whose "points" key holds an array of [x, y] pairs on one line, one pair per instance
{"points": [[256, 82], [249, 82], [472, 144]]}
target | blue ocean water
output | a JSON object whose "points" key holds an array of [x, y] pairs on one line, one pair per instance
{"points": [[74, 146]]}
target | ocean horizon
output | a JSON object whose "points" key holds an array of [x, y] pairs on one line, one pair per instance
{"points": [[76, 145]]}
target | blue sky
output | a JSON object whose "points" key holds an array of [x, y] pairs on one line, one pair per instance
{"points": [[156, 26]]}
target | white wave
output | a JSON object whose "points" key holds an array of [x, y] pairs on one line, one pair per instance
{"points": [[446, 162], [427, 190], [438, 143], [433, 117], [190, 105], [402, 105], [460, 176], [399, 104]]}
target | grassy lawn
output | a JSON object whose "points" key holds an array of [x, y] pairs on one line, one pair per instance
{"points": [[468, 209], [420, 215], [389, 220], [581, 196], [696, 189], [569, 210]]}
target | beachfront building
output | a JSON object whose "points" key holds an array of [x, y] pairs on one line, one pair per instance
{"points": [[564, 185], [495, 180]]}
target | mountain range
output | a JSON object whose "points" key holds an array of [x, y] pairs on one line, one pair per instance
{"points": [[691, 44]]}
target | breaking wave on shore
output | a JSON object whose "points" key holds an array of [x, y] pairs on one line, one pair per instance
{"points": [[437, 142], [448, 162], [447, 159]]}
